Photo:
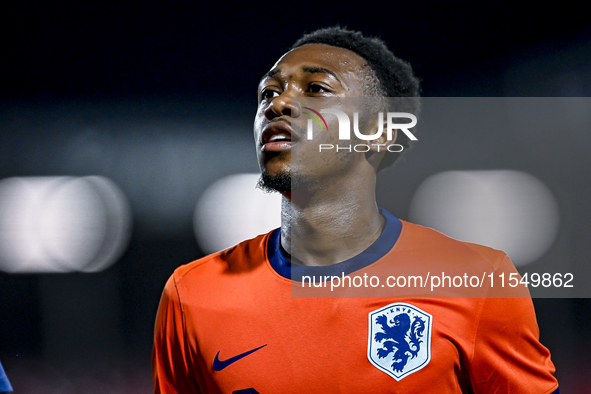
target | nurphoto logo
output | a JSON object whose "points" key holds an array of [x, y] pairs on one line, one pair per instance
{"points": [[344, 123]]}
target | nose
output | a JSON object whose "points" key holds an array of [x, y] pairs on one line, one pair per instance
{"points": [[283, 105]]}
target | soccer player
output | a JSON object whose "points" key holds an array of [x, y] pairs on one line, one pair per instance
{"points": [[229, 322]]}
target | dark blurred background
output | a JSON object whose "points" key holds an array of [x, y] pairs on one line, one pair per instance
{"points": [[159, 98]]}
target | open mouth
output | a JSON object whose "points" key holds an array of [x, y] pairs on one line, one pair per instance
{"points": [[282, 137], [277, 136]]}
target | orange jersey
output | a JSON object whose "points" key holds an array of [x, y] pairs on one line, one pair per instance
{"points": [[229, 323]]}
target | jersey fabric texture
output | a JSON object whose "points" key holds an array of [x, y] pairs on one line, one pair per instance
{"points": [[228, 323]]}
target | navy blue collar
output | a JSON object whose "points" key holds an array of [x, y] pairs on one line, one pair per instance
{"points": [[373, 253]]}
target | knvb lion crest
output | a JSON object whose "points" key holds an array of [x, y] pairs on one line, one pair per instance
{"points": [[399, 339]]}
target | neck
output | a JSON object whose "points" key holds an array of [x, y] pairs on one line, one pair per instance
{"points": [[332, 223]]}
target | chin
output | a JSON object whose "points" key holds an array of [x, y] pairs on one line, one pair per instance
{"points": [[279, 182]]}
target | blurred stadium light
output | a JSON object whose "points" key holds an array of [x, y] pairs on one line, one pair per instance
{"points": [[61, 224], [508, 210], [232, 210]]}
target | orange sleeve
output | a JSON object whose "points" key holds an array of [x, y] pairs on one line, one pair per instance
{"points": [[507, 355], [171, 368]]}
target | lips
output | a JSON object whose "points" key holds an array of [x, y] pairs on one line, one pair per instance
{"points": [[277, 136]]}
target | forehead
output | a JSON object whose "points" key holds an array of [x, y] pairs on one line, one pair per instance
{"points": [[338, 60]]}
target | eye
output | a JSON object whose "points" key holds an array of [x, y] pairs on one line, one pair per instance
{"points": [[317, 88], [267, 94]]}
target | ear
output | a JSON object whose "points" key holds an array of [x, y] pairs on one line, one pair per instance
{"points": [[379, 146], [381, 143]]}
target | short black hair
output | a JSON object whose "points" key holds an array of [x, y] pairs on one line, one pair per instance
{"points": [[395, 76]]}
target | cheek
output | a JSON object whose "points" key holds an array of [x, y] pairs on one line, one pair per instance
{"points": [[258, 123]]}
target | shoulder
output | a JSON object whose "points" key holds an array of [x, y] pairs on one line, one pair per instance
{"points": [[434, 243], [241, 257]]}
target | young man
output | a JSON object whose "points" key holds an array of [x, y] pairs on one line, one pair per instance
{"points": [[229, 323]]}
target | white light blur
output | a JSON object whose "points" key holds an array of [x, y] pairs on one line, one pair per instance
{"points": [[232, 210], [61, 224], [507, 210]]}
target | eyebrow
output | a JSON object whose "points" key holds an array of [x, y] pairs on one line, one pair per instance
{"points": [[320, 70], [271, 73], [311, 70]]}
